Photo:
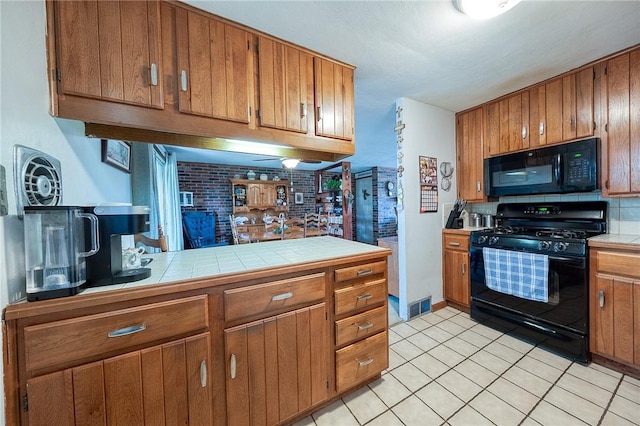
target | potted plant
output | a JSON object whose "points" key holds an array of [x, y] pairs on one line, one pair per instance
{"points": [[332, 185]]}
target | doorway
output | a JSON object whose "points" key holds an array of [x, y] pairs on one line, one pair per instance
{"points": [[364, 207]]}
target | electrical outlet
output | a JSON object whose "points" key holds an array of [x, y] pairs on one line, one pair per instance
{"points": [[4, 204]]}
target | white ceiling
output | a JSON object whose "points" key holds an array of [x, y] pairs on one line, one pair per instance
{"points": [[430, 52]]}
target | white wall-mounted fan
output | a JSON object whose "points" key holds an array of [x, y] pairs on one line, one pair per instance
{"points": [[37, 177]]}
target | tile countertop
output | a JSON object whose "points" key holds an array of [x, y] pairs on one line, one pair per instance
{"points": [[616, 240], [208, 262]]}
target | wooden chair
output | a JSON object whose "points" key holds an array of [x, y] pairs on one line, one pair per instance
{"points": [[316, 225], [238, 237], [293, 228], [160, 242]]}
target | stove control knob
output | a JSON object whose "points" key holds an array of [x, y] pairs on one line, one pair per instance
{"points": [[493, 240], [483, 239], [544, 245], [560, 246]]}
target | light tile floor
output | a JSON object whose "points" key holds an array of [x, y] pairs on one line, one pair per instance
{"points": [[445, 368]]}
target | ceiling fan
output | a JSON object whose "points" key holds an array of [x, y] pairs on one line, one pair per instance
{"points": [[289, 163]]}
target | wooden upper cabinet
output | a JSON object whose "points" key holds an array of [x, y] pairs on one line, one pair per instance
{"points": [[213, 67], [507, 125], [110, 50], [568, 108], [333, 99], [469, 155], [623, 124], [284, 73]]}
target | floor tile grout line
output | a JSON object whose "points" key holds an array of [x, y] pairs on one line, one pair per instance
{"points": [[613, 395]]}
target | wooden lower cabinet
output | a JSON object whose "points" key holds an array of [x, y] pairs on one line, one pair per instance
{"points": [[455, 267], [165, 384], [615, 305], [277, 367]]}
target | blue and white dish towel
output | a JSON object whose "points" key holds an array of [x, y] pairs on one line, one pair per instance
{"points": [[524, 275]]}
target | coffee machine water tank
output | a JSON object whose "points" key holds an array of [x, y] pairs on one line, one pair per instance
{"points": [[56, 250]]}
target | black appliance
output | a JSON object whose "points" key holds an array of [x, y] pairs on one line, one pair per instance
{"points": [[555, 169], [105, 267], [559, 231]]}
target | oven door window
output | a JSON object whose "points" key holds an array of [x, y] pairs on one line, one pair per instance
{"points": [[567, 304]]}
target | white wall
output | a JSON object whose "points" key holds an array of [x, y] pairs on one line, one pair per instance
{"points": [[429, 131], [24, 120]]}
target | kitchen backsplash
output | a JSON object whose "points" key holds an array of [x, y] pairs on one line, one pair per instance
{"points": [[623, 213]]}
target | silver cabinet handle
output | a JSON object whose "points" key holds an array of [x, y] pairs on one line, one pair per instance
{"points": [[283, 296], [154, 75], [319, 117], [464, 268], [524, 132], [364, 272], [478, 186], [232, 366], [541, 128], [364, 296], [303, 109], [365, 362], [203, 373], [127, 330], [183, 80], [364, 326], [601, 298], [454, 244]]}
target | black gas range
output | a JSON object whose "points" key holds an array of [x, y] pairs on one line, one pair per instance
{"points": [[548, 306]]}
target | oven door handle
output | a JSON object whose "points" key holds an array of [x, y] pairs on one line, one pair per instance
{"points": [[546, 330]]}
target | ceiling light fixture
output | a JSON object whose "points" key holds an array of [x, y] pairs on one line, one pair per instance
{"points": [[290, 163], [484, 9]]}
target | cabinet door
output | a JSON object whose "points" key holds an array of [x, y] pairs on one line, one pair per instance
{"points": [[553, 109], [456, 276], [213, 67], [269, 195], [537, 113], [334, 99], [277, 367], [492, 129], [167, 384], [283, 77], [110, 50], [612, 328], [254, 194], [623, 124], [469, 155]]}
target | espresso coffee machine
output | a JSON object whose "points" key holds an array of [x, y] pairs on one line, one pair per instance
{"points": [[105, 267], [56, 239]]}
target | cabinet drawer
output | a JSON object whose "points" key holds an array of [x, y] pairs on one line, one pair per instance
{"points": [[361, 360], [456, 242], [79, 338], [359, 271], [360, 296], [360, 326], [265, 298], [618, 263]]}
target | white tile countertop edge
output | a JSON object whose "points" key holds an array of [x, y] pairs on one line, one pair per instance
{"points": [[209, 262], [617, 239]]}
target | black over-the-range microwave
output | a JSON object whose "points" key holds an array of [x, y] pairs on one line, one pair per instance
{"points": [[555, 169]]}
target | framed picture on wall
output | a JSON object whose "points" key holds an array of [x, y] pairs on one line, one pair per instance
{"points": [[117, 154], [299, 199]]}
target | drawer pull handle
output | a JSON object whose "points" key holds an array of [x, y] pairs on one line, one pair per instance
{"points": [[365, 272], [454, 244], [203, 374], [601, 298], [154, 74], [232, 366], [365, 326], [127, 330], [365, 362], [364, 296], [283, 296]]}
